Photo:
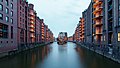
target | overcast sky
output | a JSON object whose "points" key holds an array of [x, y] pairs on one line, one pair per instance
{"points": [[60, 15]]}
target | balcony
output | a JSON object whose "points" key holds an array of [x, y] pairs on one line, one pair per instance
{"points": [[32, 30], [98, 10], [98, 24], [32, 18], [32, 15], [32, 36], [98, 17], [83, 29], [42, 27], [80, 29], [97, 3], [98, 33], [83, 32], [83, 26], [97, 0], [32, 22], [31, 26]]}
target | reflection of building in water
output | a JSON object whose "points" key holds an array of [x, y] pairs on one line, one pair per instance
{"points": [[62, 48], [81, 52], [45, 51], [38, 54], [33, 60]]}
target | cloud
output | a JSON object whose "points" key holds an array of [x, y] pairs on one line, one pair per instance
{"points": [[60, 15]]}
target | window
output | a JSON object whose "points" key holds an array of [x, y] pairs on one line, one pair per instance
{"points": [[11, 32], [23, 10], [7, 10], [20, 1], [12, 0], [20, 19], [6, 2], [119, 6], [119, 21], [7, 19], [23, 20], [3, 31], [104, 37], [11, 5], [20, 7], [11, 20], [1, 7], [20, 13], [119, 37], [1, 34], [23, 15], [11, 13], [1, 16]]}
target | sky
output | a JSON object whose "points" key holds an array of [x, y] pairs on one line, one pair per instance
{"points": [[60, 15]]}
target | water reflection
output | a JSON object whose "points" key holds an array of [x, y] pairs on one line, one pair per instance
{"points": [[62, 48], [61, 56], [69, 55], [92, 60], [27, 59]]}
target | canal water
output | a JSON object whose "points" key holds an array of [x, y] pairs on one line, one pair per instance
{"points": [[69, 55]]}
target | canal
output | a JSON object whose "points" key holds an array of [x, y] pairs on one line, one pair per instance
{"points": [[69, 55]]}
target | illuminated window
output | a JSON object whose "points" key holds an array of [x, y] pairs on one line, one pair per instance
{"points": [[7, 10], [11, 13], [118, 36], [11, 20], [6, 2], [104, 37], [11, 5], [7, 19], [119, 7], [1, 16], [1, 7]]}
